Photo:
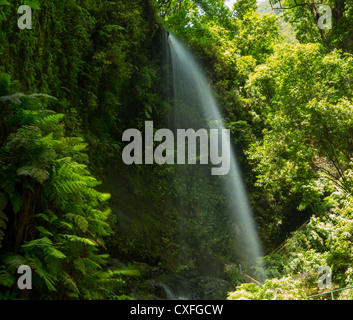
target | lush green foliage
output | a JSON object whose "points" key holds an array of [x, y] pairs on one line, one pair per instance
{"points": [[49, 197], [288, 103], [303, 99]]}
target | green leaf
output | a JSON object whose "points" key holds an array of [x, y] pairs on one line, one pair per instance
{"points": [[44, 231], [6, 279], [69, 283], [14, 261], [55, 252], [46, 276], [36, 173], [79, 220], [75, 238], [4, 3], [34, 4]]}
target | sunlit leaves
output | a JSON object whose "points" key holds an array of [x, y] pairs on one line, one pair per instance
{"points": [[307, 111]]}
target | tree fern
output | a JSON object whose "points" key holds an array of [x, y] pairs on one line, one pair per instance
{"points": [[72, 222]]}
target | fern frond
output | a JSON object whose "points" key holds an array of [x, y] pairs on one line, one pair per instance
{"points": [[66, 225], [39, 243], [80, 266], [42, 96], [12, 99], [43, 231], [52, 119], [76, 143], [79, 220], [43, 216], [47, 140], [52, 251], [46, 245], [45, 275], [14, 261], [36, 173], [69, 283], [91, 265], [75, 238], [53, 265], [7, 279], [123, 272]]}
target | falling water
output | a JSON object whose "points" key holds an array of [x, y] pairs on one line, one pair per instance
{"points": [[195, 107]]}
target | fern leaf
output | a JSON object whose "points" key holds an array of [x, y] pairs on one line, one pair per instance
{"points": [[75, 238], [104, 197], [55, 252], [52, 119], [43, 216], [36, 173], [76, 143], [13, 261], [42, 96], [46, 245], [6, 279], [12, 99], [46, 276], [44, 231], [70, 284], [39, 243], [66, 225], [79, 220], [91, 265], [80, 266], [53, 265]]}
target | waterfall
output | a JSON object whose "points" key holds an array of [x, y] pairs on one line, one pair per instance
{"points": [[194, 106]]}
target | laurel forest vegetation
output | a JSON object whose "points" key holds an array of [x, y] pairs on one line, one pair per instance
{"points": [[91, 227]]}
